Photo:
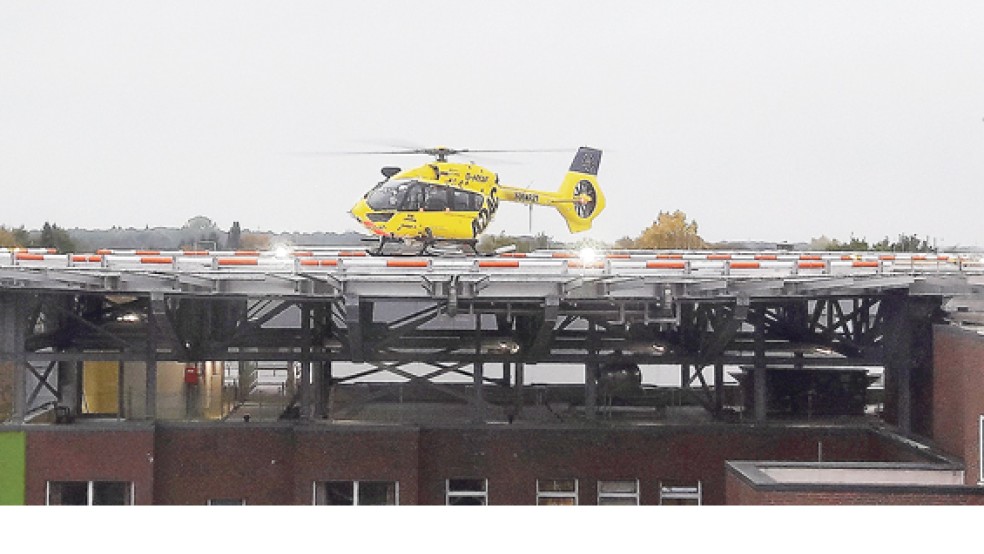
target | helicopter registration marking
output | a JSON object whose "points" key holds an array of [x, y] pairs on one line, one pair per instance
{"points": [[527, 197]]}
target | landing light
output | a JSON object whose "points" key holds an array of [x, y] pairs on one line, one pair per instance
{"points": [[588, 255], [508, 347], [281, 251]]}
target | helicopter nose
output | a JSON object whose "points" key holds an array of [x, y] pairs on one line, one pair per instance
{"points": [[359, 210]]}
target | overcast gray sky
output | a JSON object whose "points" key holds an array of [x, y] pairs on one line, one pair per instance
{"points": [[765, 120]]}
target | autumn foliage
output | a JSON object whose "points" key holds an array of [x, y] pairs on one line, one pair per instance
{"points": [[669, 231]]}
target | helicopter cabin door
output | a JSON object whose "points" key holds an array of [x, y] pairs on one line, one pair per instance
{"points": [[440, 211]]}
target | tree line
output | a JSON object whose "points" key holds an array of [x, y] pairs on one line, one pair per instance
{"points": [[198, 233], [670, 230], [676, 231], [50, 236]]}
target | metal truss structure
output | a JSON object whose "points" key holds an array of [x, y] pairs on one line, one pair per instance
{"points": [[694, 310]]}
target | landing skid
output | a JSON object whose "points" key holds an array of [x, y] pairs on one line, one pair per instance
{"points": [[450, 248], [389, 246]]}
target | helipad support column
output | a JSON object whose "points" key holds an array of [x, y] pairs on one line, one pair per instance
{"points": [[69, 383], [13, 357], [155, 308], [591, 374], [718, 388], [759, 375], [591, 389], [70, 369], [518, 389], [908, 358], [321, 376], [324, 387], [305, 385], [478, 373], [358, 318]]}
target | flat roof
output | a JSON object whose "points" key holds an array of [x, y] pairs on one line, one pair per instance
{"points": [[865, 475], [799, 476]]}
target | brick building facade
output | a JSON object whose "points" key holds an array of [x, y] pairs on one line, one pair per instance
{"points": [[284, 463], [303, 462]]}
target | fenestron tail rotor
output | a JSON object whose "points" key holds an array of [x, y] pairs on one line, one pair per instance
{"points": [[586, 198]]}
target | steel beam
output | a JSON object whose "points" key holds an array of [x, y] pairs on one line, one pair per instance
{"points": [[591, 372], [306, 392], [518, 387], [546, 310], [479, 373], [759, 375]]}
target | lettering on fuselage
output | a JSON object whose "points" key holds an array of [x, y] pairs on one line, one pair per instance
{"points": [[527, 197], [479, 178], [484, 216]]}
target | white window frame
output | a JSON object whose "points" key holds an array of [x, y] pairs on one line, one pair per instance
{"points": [[226, 502], [483, 494], [556, 494], [90, 490], [678, 492], [980, 450], [355, 489], [618, 495]]}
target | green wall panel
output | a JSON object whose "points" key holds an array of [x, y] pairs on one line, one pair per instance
{"points": [[12, 468]]}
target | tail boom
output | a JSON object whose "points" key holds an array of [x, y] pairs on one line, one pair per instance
{"points": [[579, 198]]}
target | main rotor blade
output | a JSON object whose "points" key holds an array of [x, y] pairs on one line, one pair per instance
{"points": [[439, 152], [357, 153], [516, 151]]}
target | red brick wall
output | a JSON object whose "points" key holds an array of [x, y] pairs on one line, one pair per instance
{"points": [[364, 454], [195, 463], [740, 493], [56, 453], [958, 379], [513, 459], [276, 464]]}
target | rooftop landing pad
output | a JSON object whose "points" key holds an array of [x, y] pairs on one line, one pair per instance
{"points": [[557, 274]]}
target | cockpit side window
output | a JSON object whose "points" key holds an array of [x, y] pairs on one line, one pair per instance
{"points": [[414, 199], [437, 198], [464, 201]]}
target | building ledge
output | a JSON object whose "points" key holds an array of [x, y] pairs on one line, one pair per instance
{"points": [[891, 477]]}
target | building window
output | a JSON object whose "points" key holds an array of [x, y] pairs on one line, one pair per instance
{"points": [[90, 493], [226, 502], [680, 495], [618, 493], [556, 492], [356, 493], [467, 492]]}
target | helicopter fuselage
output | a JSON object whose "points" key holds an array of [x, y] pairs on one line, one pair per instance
{"points": [[442, 200], [448, 201]]}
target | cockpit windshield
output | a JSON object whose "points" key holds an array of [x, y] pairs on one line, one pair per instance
{"points": [[389, 195]]}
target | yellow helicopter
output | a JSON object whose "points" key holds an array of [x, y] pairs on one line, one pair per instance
{"points": [[448, 202]]}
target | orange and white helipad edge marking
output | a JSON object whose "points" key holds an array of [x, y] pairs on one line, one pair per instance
{"points": [[739, 263]]}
